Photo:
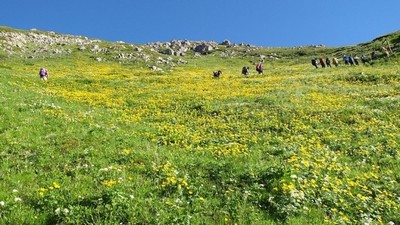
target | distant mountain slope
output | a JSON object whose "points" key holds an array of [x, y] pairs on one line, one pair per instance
{"points": [[42, 44]]}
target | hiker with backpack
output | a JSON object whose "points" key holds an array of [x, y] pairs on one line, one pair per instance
{"points": [[245, 70], [351, 60], [335, 61], [314, 62], [43, 74], [346, 60], [259, 68], [217, 74], [328, 62], [365, 59]]}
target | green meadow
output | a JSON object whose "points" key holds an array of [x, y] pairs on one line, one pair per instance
{"points": [[111, 142]]}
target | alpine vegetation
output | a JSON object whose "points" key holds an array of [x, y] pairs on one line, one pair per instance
{"points": [[122, 133]]}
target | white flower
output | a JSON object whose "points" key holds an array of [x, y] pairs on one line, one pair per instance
{"points": [[66, 211], [17, 199], [297, 194], [2, 203], [15, 191], [57, 211]]}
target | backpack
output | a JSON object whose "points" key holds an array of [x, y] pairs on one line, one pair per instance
{"points": [[43, 72]]}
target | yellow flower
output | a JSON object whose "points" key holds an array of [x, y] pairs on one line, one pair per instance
{"points": [[168, 203], [109, 183], [56, 185], [42, 191], [127, 151]]}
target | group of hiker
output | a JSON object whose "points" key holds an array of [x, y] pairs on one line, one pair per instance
{"points": [[349, 59], [245, 70], [325, 62], [259, 69]]}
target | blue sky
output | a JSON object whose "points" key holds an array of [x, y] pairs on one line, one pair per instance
{"points": [[258, 22]]}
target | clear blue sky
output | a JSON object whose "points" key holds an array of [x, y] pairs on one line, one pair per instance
{"points": [[259, 22]]}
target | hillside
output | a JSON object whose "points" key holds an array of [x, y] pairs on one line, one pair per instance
{"points": [[40, 45], [143, 134]]}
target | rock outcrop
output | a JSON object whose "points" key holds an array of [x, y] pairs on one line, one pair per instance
{"points": [[39, 44]]}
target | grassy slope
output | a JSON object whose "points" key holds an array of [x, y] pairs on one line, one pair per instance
{"points": [[115, 143]]}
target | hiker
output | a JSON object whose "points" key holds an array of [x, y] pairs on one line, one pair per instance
{"points": [[217, 74], [346, 60], [321, 61], [356, 58], [364, 59], [328, 62], [259, 68], [351, 60], [245, 70], [374, 55], [385, 51], [43, 74], [314, 62], [335, 61]]}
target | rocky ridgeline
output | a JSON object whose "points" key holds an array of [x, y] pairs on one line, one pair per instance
{"points": [[39, 44], [35, 43], [180, 47]]}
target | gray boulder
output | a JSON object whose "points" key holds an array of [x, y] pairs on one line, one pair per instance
{"points": [[167, 51], [226, 43], [203, 48]]}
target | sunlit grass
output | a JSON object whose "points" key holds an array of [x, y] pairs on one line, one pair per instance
{"points": [[111, 143]]}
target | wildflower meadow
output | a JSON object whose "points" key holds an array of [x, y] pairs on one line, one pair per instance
{"points": [[115, 143]]}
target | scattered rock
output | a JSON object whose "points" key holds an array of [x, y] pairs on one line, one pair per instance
{"points": [[25, 42], [226, 43], [37, 44], [138, 49], [154, 68], [182, 61], [95, 48]]}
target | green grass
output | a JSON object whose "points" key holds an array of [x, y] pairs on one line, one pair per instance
{"points": [[115, 143]]}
